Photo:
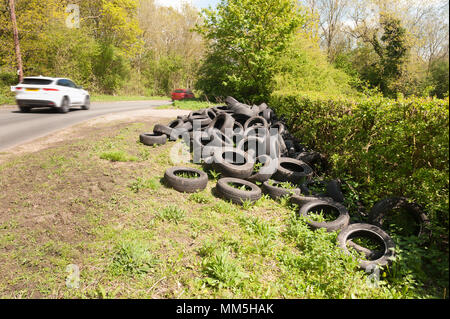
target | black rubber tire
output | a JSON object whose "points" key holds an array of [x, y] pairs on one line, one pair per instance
{"points": [[231, 101], [298, 172], [371, 230], [279, 126], [224, 123], [162, 129], [262, 107], [220, 109], [265, 172], [25, 109], [301, 199], [200, 117], [184, 118], [186, 185], [312, 159], [187, 126], [283, 148], [176, 123], [339, 223], [87, 103], [334, 191], [273, 146], [257, 131], [255, 121], [268, 114], [380, 209], [276, 192], [219, 139], [173, 133], [305, 187], [238, 196], [65, 105], [241, 170], [254, 146], [153, 139], [242, 112], [210, 113]]}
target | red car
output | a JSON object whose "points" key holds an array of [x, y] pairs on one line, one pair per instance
{"points": [[181, 94]]}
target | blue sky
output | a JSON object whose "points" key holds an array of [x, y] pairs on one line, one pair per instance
{"points": [[197, 3]]}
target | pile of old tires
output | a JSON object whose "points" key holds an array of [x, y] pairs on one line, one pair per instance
{"points": [[255, 153]]}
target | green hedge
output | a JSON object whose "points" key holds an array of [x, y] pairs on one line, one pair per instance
{"points": [[386, 147]]}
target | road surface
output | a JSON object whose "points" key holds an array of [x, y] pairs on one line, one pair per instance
{"points": [[17, 128]]}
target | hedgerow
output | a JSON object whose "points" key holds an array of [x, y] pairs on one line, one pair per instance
{"points": [[383, 147]]}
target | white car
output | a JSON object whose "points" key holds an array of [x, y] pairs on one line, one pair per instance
{"points": [[58, 93]]}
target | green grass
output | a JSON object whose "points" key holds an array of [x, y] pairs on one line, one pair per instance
{"points": [[133, 237], [118, 156], [7, 100], [118, 98], [187, 105], [172, 214], [132, 258]]}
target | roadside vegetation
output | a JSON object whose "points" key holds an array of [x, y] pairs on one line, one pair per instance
{"points": [[363, 82], [132, 237]]}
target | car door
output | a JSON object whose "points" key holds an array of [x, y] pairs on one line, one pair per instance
{"points": [[76, 94], [65, 88]]}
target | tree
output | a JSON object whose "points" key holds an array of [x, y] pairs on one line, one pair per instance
{"points": [[245, 38], [330, 15], [16, 39]]}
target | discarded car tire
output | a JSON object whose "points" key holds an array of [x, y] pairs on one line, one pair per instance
{"points": [[237, 195], [292, 170], [265, 172], [371, 231], [222, 122], [197, 182], [301, 199], [275, 190], [232, 162], [334, 191], [340, 222], [151, 139], [382, 208], [306, 188], [255, 121]]}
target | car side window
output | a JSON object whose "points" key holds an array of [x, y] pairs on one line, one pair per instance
{"points": [[62, 83], [71, 84]]}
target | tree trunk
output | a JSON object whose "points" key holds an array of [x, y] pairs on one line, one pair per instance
{"points": [[16, 39]]}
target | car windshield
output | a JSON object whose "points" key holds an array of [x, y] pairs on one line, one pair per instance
{"points": [[179, 91], [37, 81]]}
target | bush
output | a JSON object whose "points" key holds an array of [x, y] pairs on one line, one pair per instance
{"points": [[386, 147]]}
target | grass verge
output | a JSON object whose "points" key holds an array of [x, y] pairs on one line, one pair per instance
{"points": [[187, 105], [132, 237]]}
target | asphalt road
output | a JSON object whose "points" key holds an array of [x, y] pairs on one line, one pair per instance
{"points": [[17, 128]]}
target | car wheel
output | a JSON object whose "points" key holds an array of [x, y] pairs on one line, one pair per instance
{"points": [[24, 109], [87, 103], [65, 106]]}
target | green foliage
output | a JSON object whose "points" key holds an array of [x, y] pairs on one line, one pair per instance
{"points": [[141, 184], [245, 40], [305, 68], [132, 258], [386, 147], [110, 68], [438, 78], [220, 269], [172, 213], [118, 156]]}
